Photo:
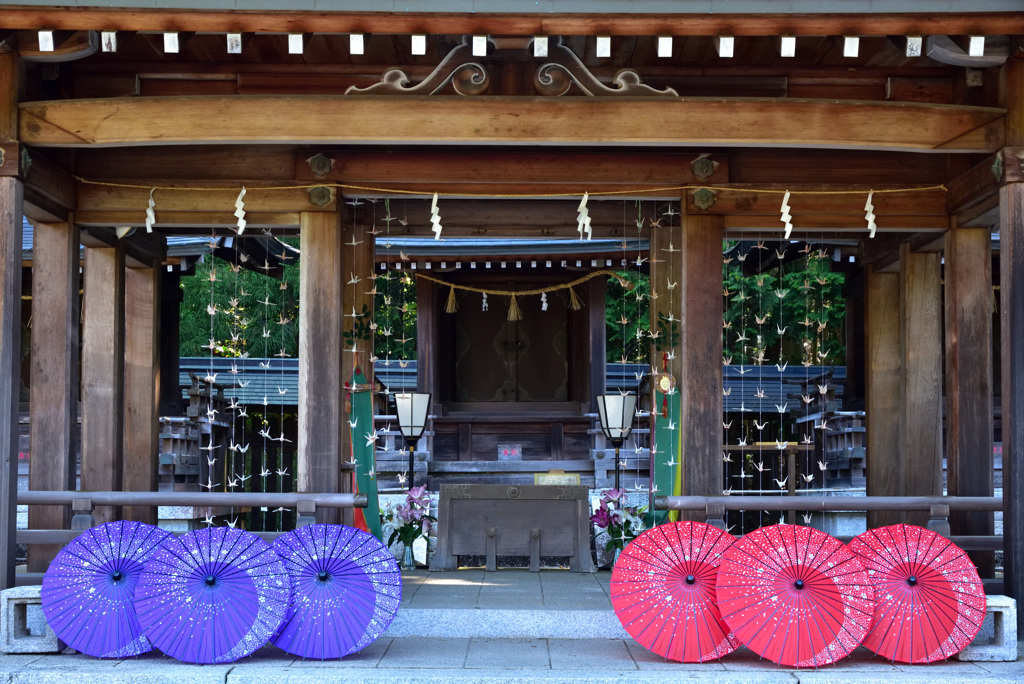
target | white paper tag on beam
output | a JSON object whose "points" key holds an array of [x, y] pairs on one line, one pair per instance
{"points": [[869, 214], [786, 217], [435, 218], [583, 219], [150, 214], [240, 211]]}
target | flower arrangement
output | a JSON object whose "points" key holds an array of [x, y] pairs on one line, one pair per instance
{"points": [[411, 520], [620, 522]]}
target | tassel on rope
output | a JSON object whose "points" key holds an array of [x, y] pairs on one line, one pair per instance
{"points": [[514, 314], [452, 306], [574, 301]]}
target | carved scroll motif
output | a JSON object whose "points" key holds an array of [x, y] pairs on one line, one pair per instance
{"points": [[466, 77], [565, 69]]}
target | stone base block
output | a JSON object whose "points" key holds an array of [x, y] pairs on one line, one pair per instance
{"points": [[997, 640], [23, 628]]}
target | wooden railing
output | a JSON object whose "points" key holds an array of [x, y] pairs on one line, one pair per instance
{"points": [[83, 503], [937, 507]]}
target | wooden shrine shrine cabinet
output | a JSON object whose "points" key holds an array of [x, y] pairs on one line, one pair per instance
{"points": [[518, 520]]}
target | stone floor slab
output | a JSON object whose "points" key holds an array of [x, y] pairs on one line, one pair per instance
{"points": [[411, 653], [508, 654], [590, 654]]}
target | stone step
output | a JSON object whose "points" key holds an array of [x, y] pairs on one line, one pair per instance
{"points": [[497, 623], [509, 603]]}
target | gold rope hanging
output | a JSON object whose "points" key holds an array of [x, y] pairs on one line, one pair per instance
{"points": [[601, 193], [514, 312]]}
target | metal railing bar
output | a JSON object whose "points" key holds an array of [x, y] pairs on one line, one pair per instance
{"points": [[233, 499], [830, 503]]}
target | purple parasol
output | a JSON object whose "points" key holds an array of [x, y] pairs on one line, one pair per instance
{"points": [[89, 589], [346, 590], [212, 596]]}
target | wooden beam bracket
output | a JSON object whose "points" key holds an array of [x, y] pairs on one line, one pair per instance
{"points": [[141, 249]]}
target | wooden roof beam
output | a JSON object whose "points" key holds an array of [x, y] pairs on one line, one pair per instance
{"points": [[141, 249], [883, 252], [687, 122], [679, 24]]}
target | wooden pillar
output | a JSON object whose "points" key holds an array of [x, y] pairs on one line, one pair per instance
{"points": [[10, 363], [700, 352], [170, 403], [53, 410], [427, 347], [921, 359], [320, 357], [142, 381], [11, 194], [103, 374], [882, 383], [1011, 323], [968, 292], [1011, 289], [596, 342]]}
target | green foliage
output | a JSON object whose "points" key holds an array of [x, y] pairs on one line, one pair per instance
{"points": [[811, 313], [359, 328], [796, 316], [626, 318], [395, 291], [237, 326]]}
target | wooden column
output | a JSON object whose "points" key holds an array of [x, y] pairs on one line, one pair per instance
{"points": [[700, 349], [103, 374], [10, 361], [427, 322], [54, 376], [11, 194], [142, 382], [1011, 289], [882, 383], [170, 403], [596, 344], [321, 406], [921, 358], [969, 459], [1011, 323]]}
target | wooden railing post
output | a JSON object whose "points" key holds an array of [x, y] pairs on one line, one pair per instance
{"points": [[306, 511], [714, 515], [82, 518], [938, 520]]}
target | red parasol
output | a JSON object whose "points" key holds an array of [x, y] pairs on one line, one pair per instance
{"points": [[663, 591], [930, 601], [795, 595]]}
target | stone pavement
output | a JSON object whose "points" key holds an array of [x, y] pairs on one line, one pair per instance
{"points": [[509, 626]]}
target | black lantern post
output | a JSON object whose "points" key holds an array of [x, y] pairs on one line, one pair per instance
{"points": [[412, 418], [616, 414]]}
